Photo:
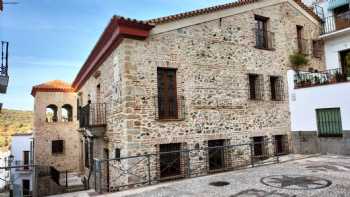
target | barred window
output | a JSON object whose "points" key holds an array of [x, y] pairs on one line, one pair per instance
{"points": [[117, 153], [57, 146], [276, 88], [255, 86], [329, 122], [318, 48]]}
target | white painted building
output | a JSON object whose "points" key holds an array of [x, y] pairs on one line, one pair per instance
{"points": [[21, 177], [320, 101]]}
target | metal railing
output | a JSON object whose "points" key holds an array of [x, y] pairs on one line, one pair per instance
{"points": [[264, 39], [310, 79], [93, 115], [148, 169], [169, 110], [335, 23], [4, 58], [4, 78], [23, 165]]}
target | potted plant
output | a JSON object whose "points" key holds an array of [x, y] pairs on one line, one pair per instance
{"points": [[298, 60]]}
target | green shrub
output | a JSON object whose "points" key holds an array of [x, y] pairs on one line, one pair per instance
{"points": [[297, 60]]}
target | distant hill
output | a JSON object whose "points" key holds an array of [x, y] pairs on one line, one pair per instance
{"points": [[14, 121]]}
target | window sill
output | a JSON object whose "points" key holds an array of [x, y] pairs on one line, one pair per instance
{"points": [[266, 49], [170, 120], [330, 135]]}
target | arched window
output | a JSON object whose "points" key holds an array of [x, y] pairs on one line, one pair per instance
{"points": [[67, 113], [51, 113]]}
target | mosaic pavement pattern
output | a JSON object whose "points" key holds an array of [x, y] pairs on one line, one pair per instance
{"points": [[320, 176]]}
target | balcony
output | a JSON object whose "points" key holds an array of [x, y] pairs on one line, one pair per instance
{"points": [[4, 78], [22, 166], [93, 115], [169, 109], [264, 39], [335, 23], [312, 79]]}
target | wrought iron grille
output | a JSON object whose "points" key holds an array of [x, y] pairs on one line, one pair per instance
{"points": [[256, 86], [147, 169], [264, 39], [178, 111], [310, 79], [93, 115], [4, 58]]}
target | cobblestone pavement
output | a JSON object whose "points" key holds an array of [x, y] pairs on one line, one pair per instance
{"points": [[320, 176]]}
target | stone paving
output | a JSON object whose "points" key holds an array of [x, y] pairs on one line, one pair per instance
{"points": [[319, 176]]}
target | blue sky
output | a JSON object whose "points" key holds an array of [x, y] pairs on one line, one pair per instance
{"points": [[50, 39]]}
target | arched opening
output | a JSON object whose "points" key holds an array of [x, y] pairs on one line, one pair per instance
{"points": [[67, 113], [51, 113]]}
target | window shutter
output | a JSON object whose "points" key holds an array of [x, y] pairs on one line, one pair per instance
{"points": [[329, 122]]}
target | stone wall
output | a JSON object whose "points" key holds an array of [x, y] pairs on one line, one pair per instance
{"points": [[45, 132], [213, 60], [308, 142]]}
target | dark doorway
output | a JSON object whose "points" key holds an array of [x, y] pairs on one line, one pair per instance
{"points": [[258, 144], [216, 154], [26, 187], [345, 62], [106, 156], [279, 144], [341, 17], [170, 160], [26, 160]]}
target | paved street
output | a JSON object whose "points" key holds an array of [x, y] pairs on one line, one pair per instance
{"points": [[318, 176]]}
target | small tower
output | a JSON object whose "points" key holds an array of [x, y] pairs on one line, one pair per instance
{"points": [[56, 139]]}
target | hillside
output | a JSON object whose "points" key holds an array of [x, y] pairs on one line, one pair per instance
{"points": [[13, 121]]}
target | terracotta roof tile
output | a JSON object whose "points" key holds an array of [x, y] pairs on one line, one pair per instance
{"points": [[52, 86], [217, 8]]}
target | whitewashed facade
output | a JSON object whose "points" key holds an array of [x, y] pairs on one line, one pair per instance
{"points": [[314, 92], [21, 177]]}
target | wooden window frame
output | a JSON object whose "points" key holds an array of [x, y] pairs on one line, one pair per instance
{"points": [[276, 88], [263, 22], [255, 87], [164, 117]]}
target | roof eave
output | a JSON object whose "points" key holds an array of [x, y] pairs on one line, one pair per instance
{"points": [[117, 29]]}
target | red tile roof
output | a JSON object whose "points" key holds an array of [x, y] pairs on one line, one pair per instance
{"points": [[121, 27], [217, 8], [52, 86]]}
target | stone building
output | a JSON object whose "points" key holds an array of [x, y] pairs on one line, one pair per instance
{"points": [[205, 78], [56, 140]]}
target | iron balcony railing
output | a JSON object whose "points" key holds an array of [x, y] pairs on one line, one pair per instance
{"points": [[264, 39], [93, 115], [4, 78], [335, 23], [22, 165], [310, 79], [167, 109]]}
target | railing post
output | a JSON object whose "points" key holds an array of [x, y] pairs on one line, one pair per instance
{"points": [[66, 178], [188, 163], [149, 169], [251, 154]]}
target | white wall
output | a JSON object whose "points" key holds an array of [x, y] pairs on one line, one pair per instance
{"points": [[305, 101], [18, 145], [333, 46]]}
